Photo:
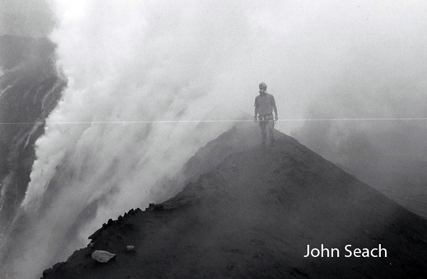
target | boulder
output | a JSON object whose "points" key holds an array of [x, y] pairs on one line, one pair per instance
{"points": [[102, 256]]}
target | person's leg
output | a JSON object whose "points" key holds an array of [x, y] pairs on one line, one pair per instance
{"points": [[262, 125], [271, 136]]}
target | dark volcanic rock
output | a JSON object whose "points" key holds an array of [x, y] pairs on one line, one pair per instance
{"points": [[252, 215]]}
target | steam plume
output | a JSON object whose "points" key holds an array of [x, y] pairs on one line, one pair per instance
{"points": [[138, 75], [156, 64]]}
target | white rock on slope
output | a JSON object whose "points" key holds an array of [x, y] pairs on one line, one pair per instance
{"points": [[102, 256]]}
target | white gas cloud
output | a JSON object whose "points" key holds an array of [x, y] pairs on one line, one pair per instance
{"points": [[123, 66], [168, 62], [32, 18]]}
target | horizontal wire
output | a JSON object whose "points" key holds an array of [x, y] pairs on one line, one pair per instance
{"points": [[212, 121]]}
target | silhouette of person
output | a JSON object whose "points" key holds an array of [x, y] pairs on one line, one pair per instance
{"points": [[265, 105]]}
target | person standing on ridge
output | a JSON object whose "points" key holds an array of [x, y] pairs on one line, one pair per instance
{"points": [[264, 107]]}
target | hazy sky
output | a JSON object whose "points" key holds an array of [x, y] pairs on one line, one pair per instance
{"points": [[31, 18], [304, 50]]}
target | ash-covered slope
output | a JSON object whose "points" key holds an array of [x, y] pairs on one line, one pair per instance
{"points": [[252, 216], [402, 180]]}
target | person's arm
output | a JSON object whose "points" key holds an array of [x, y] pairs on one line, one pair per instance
{"points": [[275, 109]]}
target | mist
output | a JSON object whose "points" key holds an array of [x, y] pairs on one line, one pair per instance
{"points": [[142, 74], [371, 115], [30, 18]]}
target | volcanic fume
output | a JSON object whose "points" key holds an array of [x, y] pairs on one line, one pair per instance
{"points": [[137, 87], [141, 75], [250, 212]]}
